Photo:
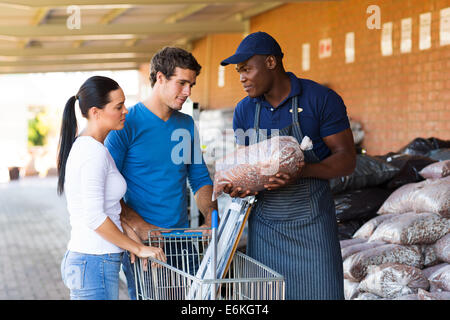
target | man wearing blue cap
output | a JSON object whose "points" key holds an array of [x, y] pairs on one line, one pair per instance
{"points": [[292, 227]]}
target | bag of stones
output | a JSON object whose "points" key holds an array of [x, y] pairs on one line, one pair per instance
{"points": [[431, 195], [412, 228], [393, 280]]}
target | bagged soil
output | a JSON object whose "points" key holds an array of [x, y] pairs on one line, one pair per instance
{"points": [[401, 200], [412, 228], [359, 204], [430, 270], [350, 242], [409, 167], [436, 170], [348, 251], [369, 227], [440, 154], [355, 266], [350, 289], [347, 229], [440, 279], [367, 296], [432, 195], [429, 255], [413, 296], [425, 295], [442, 248], [393, 280], [369, 172], [419, 146], [251, 167]]}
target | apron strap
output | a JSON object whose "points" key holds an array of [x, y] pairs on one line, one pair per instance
{"points": [[256, 124], [295, 123]]}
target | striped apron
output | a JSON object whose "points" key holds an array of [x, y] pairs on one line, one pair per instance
{"points": [[293, 230]]}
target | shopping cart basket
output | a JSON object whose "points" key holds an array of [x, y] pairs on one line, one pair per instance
{"points": [[246, 278]]}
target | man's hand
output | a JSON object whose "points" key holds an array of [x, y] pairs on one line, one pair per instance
{"points": [[282, 179], [235, 192], [278, 180], [136, 222]]}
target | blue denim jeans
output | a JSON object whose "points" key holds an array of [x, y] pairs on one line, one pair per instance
{"points": [[91, 276]]}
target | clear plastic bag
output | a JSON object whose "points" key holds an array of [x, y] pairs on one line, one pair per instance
{"points": [[348, 251], [442, 248], [425, 295], [350, 289], [370, 226], [393, 280], [350, 242], [412, 228], [401, 200], [355, 266], [440, 279], [431, 195], [251, 167], [434, 197], [436, 170]]}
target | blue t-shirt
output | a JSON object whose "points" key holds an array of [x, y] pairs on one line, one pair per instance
{"points": [[155, 158], [324, 113]]}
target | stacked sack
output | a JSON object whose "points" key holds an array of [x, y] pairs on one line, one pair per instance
{"points": [[404, 252]]}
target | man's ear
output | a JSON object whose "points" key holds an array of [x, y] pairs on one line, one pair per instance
{"points": [[160, 77], [271, 62]]}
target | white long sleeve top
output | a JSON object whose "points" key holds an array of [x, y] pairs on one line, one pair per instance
{"points": [[93, 188]]}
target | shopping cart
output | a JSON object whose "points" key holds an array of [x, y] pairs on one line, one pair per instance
{"points": [[245, 279]]}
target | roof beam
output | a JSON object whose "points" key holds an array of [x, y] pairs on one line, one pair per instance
{"points": [[190, 10], [257, 9], [65, 3], [113, 15], [40, 16], [100, 31], [106, 19], [36, 52], [62, 62], [71, 68]]}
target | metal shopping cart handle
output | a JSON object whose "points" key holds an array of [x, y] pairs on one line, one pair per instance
{"points": [[181, 234]]}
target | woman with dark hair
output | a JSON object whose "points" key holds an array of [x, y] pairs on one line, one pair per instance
{"points": [[93, 187]]}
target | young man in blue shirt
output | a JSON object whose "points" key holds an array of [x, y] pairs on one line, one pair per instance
{"points": [[158, 149], [292, 226]]}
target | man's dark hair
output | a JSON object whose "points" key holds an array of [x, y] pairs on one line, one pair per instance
{"points": [[168, 58]]}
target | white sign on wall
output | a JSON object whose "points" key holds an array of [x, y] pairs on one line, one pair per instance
{"points": [[349, 47], [445, 27], [386, 39], [325, 48], [306, 56], [406, 41], [425, 31], [221, 77]]}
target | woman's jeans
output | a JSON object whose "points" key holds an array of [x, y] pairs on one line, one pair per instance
{"points": [[91, 276]]}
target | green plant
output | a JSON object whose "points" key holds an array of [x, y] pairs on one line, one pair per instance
{"points": [[38, 129]]}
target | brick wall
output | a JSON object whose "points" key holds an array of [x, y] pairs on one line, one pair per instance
{"points": [[209, 51], [396, 98]]}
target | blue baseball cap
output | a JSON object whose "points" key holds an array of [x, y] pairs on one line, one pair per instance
{"points": [[255, 43]]}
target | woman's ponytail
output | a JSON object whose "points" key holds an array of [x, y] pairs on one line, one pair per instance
{"points": [[93, 92], [66, 139]]}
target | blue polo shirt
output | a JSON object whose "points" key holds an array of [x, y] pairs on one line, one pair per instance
{"points": [[155, 157], [324, 114]]}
